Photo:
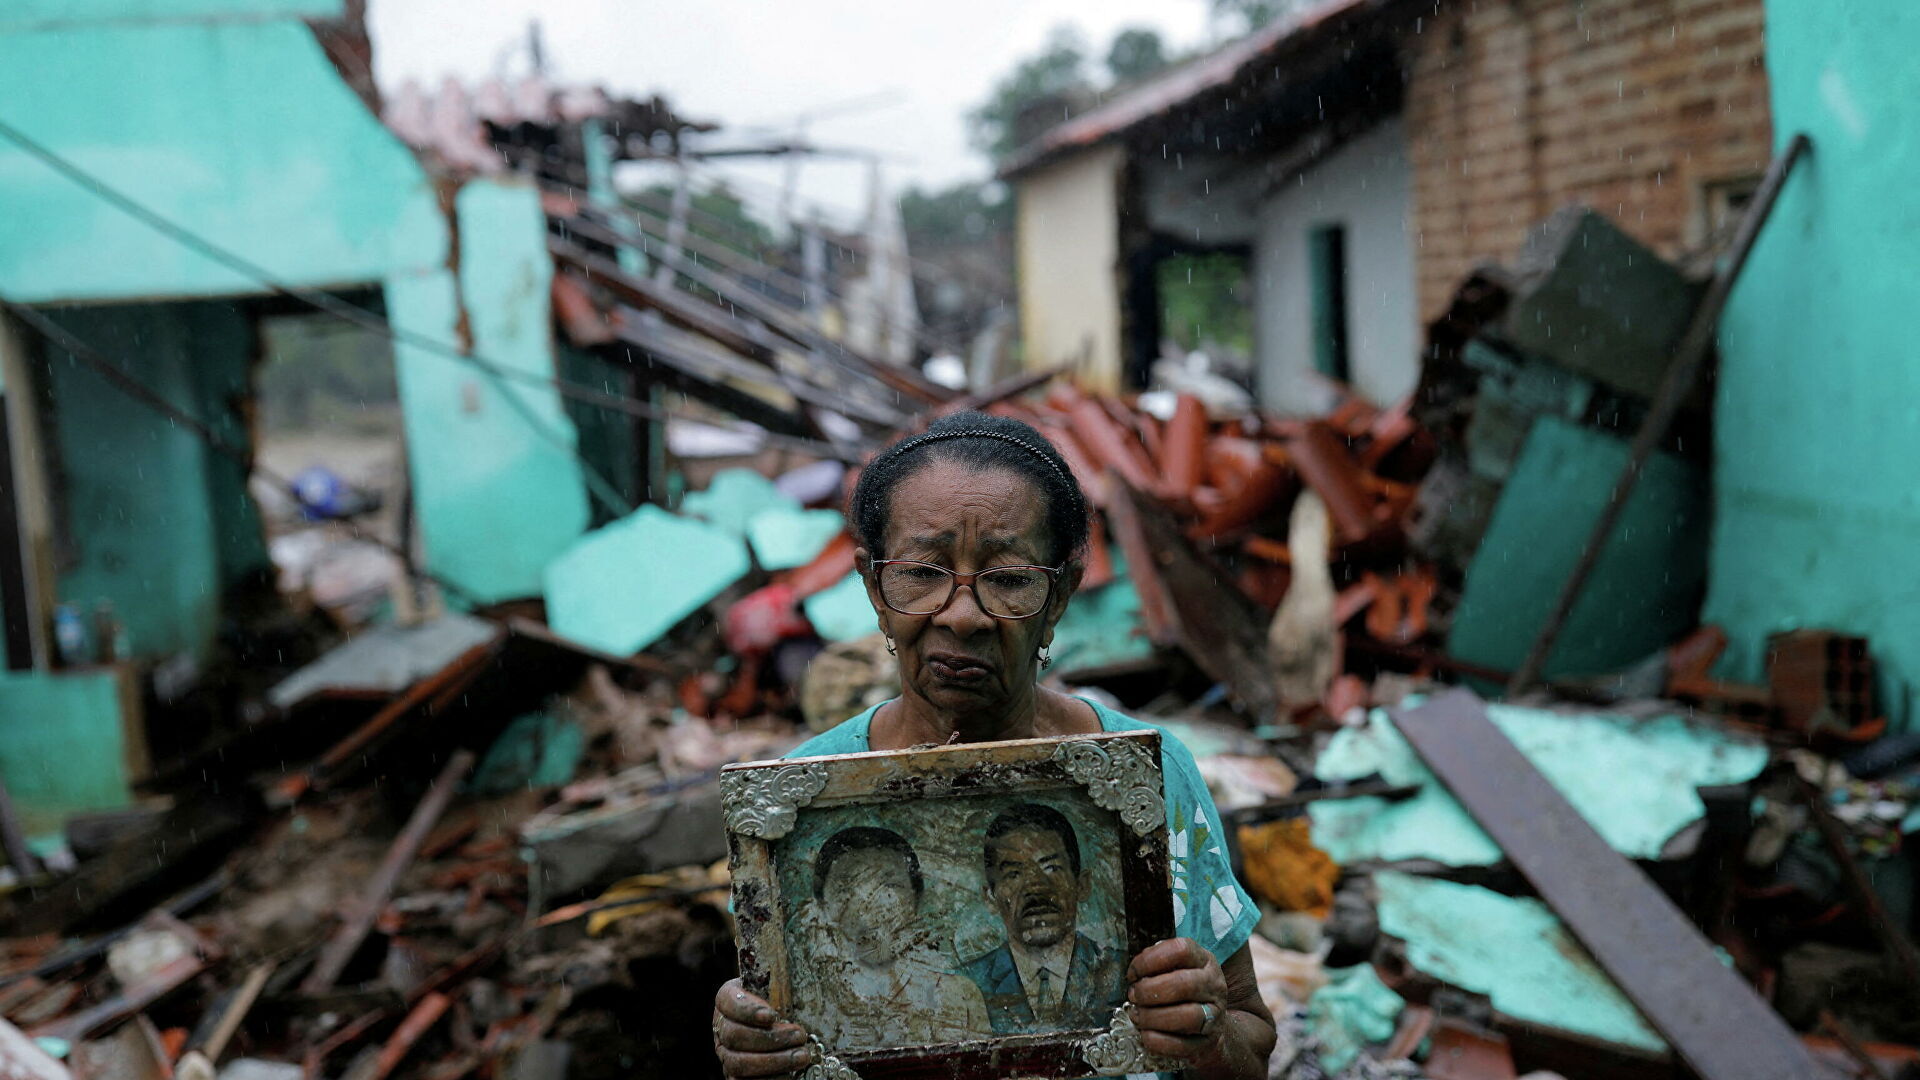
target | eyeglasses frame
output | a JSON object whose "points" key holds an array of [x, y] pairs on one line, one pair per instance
{"points": [[959, 579]]}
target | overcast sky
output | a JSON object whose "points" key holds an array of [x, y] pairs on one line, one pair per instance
{"points": [[918, 65]]}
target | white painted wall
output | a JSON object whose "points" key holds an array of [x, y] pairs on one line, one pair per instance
{"points": [[1365, 185], [1069, 249]]}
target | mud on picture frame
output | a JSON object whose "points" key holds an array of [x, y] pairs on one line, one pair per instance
{"points": [[961, 911]]}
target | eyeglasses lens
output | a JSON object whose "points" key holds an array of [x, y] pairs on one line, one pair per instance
{"points": [[919, 589]]}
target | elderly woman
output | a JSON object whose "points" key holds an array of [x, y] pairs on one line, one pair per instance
{"points": [[971, 537]]}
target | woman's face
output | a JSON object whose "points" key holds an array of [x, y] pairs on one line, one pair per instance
{"points": [[961, 660]]}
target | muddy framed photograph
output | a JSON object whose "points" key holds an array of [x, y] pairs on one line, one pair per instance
{"points": [[960, 911]]}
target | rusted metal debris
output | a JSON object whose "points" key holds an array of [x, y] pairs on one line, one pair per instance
{"points": [[424, 1015]]}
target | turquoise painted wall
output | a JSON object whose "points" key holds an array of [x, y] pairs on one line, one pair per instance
{"points": [[226, 117], [30, 14], [1817, 504], [499, 497], [155, 521], [241, 130], [62, 745], [1645, 589]]}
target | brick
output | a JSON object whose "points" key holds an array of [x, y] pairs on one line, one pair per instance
{"points": [[1630, 105]]}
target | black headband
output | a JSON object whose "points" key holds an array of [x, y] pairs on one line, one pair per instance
{"points": [[918, 441]]}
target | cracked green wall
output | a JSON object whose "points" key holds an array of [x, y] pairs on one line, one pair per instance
{"points": [[227, 117]]}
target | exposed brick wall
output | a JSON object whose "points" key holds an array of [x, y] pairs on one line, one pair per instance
{"points": [[1515, 107]]}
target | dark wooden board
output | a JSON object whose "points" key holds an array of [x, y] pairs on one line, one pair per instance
{"points": [[1714, 1020]]}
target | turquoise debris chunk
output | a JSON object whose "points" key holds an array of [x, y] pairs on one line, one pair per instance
{"points": [[784, 537], [1645, 588], [1635, 780], [734, 498], [1101, 627], [626, 584], [1353, 1010], [63, 745], [538, 750], [1517, 952], [842, 612]]}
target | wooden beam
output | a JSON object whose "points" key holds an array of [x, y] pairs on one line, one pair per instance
{"points": [[1662, 962]]}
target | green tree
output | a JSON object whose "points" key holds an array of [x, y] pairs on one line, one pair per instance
{"points": [[1203, 299], [1136, 53], [1060, 70], [1251, 15], [961, 214], [718, 215]]}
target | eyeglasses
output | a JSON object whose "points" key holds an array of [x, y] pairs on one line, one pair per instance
{"points": [[1004, 592]]}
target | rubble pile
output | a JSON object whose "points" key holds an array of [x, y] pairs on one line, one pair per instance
{"points": [[489, 844], [538, 909]]}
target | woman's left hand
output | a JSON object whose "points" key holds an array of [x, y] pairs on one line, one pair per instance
{"points": [[1179, 997], [1190, 1008]]}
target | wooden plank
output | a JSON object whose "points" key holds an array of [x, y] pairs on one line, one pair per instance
{"points": [[162, 981], [346, 940], [16, 604], [1658, 959], [1216, 625], [22, 1059], [456, 676], [683, 351], [30, 494]]}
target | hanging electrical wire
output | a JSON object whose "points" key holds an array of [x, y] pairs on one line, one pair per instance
{"points": [[374, 323], [117, 377]]}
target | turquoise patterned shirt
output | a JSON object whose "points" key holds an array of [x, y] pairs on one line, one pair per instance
{"points": [[1209, 905]]}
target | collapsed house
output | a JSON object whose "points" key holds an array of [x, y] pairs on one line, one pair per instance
{"points": [[483, 836], [116, 504], [1365, 157]]}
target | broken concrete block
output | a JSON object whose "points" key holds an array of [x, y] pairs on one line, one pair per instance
{"points": [[386, 659], [1593, 300], [651, 831], [1517, 952]]}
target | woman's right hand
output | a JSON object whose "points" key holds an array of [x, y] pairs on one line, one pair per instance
{"points": [[751, 1039]]}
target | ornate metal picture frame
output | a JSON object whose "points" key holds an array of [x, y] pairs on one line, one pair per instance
{"points": [[966, 912]]}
